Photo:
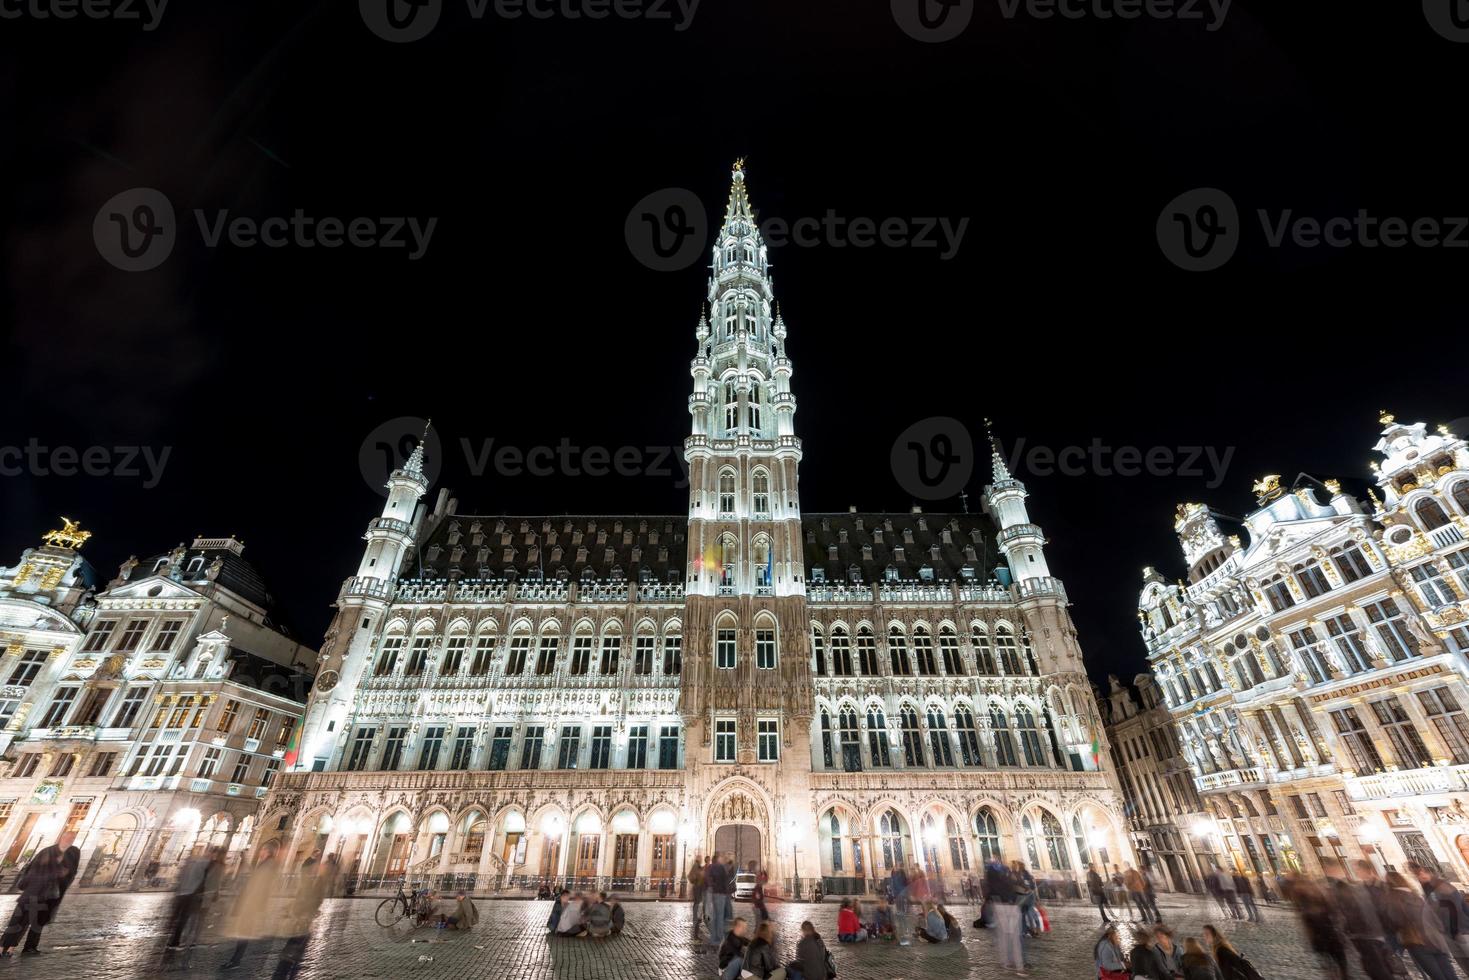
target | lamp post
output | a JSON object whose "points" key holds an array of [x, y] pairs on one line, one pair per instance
{"points": [[684, 833], [793, 832]]}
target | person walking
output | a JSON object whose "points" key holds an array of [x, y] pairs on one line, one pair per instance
{"points": [[898, 894], [1452, 910], [42, 886], [198, 884], [250, 921], [696, 885], [757, 897], [1107, 954], [1097, 891], [1357, 906], [719, 881], [1246, 892], [318, 882], [1419, 928], [1150, 894], [1134, 884], [1318, 919], [1226, 890], [1022, 883]]}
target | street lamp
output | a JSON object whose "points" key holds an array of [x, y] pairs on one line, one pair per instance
{"points": [[793, 833], [685, 832]]}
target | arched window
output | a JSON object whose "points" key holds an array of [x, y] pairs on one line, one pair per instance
{"points": [[1461, 495], [968, 737], [731, 312], [867, 653], [1430, 514], [581, 652], [1082, 847], [836, 842], [1027, 649], [755, 407], [1034, 846], [731, 407], [949, 650], [841, 653], [958, 850], [827, 755], [938, 738], [984, 657], [923, 652], [898, 653], [851, 741], [877, 738], [912, 738], [987, 829], [928, 836], [818, 651], [1030, 737], [761, 564], [1004, 742], [728, 554], [727, 492], [890, 829], [760, 493], [1005, 648], [1055, 842]]}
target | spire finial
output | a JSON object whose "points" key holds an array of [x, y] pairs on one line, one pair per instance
{"points": [[1386, 418], [997, 462], [414, 464], [739, 165]]}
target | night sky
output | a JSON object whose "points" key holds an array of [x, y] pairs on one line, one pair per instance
{"points": [[528, 319]]}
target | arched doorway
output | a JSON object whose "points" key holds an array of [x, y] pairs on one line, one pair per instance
{"points": [[394, 843], [744, 841], [113, 843]]}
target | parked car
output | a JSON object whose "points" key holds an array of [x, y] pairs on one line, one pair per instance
{"points": [[744, 885]]}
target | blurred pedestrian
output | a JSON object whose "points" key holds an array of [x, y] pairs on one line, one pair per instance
{"points": [[317, 883], [42, 886], [1097, 892], [898, 893], [250, 920], [1318, 918], [1246, 894], [696, 885], [1197, 964], [1418, 928], [197, 886], [1232, 964], [1452, 911], [1168, 950], [1357, 905], [1133, 881]]}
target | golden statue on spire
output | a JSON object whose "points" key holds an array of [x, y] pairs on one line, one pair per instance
{"points": [[1386, 417], [71, 535], [1267, 488], [739, 165]]}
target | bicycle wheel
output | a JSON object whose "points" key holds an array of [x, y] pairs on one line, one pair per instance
{"points": [[389, 912]]}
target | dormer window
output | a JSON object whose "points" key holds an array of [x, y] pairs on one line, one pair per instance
{"points": [[818, 576], [855, 574], [925, 573]]}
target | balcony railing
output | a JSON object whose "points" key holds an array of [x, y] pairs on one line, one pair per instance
{"points": [[364, 586], [1409, 782], [1230, 777], [1445, 536]]}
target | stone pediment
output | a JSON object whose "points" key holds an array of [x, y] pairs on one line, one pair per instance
{"points": [[1283, 542], [144, 588]]}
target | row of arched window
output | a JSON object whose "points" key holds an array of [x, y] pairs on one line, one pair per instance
{"points": [[847, 656], [529, 654], [1041, 833], [1016, 737]]}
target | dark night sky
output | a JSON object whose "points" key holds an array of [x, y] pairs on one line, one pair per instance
{"points": [[529, 320]]}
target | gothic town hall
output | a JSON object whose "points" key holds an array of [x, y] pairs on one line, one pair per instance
{"points": [[603, 698]]}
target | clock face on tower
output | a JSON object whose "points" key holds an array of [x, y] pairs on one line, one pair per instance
{"points": [[326, 680]]}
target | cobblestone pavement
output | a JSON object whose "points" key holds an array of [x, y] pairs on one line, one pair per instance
{"points": [[121, 936]]}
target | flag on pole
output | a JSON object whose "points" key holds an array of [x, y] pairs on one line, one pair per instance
{"points": [[1097, 751], [293, 746]]}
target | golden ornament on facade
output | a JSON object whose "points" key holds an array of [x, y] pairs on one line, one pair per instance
{"points": [[1386, 417], [71, 535], [1267, 488]]}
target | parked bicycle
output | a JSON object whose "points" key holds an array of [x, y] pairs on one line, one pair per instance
{"points": [[400, 910]]}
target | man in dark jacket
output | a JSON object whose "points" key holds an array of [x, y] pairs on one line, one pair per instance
{"points": [[732, 950], [696, 883], [1097, 891], [719, 885], [42, 886]]}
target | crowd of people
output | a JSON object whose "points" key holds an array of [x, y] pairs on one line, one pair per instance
{"points": [[575, 915]]}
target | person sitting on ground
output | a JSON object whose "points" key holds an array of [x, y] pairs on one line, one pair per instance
{"points": [[953, 932], [1168, 951], [810, 962], [543, 893], [429, 913], [882, 921], [933, 929], [558, 908], [849, 927], [619, 915], [732, 950], [1232, 964], [599, 917], [465, 914], [760, 956], [573, 917], [1197, 964], [1146, 963]]}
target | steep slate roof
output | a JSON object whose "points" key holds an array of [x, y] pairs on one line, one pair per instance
{"points": [[659, 544], [235, 574]]}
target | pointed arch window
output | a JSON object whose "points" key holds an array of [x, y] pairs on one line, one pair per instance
{"points": [[1004, 741], [731, 312], [827, 753], [761, 565], [968, 737], [1030, 737], [1027, 649], [818, 651], [755, 407], [841, 653], [1034, 845], [984, 657], [867, 653], [760, 496], [851, 741], [949, 651], [958, 850], [1006, 650], [877, 739], [912, 738], [890, 829], [898, 653], [928, 835], [923, 653], [1082, 850], [727, 556], [835, 826], [938, 738], [1055, 842], [727, 493], [581, 653], [987, 830]]}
